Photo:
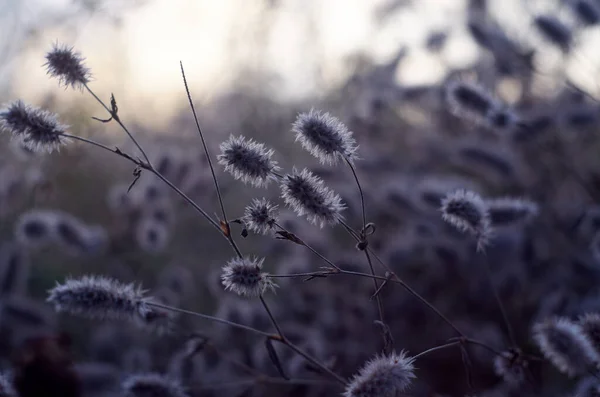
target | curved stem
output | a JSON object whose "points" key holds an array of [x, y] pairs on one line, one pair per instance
{"points": [[362, 196], [433, 349]]}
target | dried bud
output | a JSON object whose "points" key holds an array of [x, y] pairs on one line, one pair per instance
{"points": [[260, 216], [244, 277], [67, 66], [467, 212], [383, 376], [248, 161]]}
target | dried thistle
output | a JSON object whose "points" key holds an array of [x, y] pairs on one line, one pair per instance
{"points": [[248, 161], [466, 211], [35, 128], [260, 216], [152, 385], [67, 66], [100, 297], [383, 376], [324, 136], [244, 277], [565, 345], [507, 210], [308, 196]]}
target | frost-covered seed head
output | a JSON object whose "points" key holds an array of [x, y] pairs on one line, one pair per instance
{"points": [[248, 161], [100, 297], [565, 345], [466, 211], [470, 101], [508, 211], [244, 276], [6, 387], [590, 325], [324, 136], [34, 128], [65, 64], [152, 385], [308, 196], [510, 366], [260, 216], [555, 31], [586, 11], [35, 228], [383, 376]]}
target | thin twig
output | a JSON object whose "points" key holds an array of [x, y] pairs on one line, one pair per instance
{"points": [[275, 324], [433, 349]]}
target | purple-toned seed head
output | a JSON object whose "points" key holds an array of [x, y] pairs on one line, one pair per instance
{"points": [[248, 161], [65, 64], [554, 31], [466, 211], [324, 136], [152, 385], [35, 228], [510, 211], [383, 376], [35, 128], [470, 100], [307, 195], [565, 345], [151, 235], [260, 216], [586, 11], [245, 277]]}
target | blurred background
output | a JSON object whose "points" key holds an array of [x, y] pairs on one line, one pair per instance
{"points": [[381, 67]]}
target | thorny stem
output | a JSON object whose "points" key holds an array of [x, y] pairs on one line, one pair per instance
{"points": [[212, 169], [433, 349]]}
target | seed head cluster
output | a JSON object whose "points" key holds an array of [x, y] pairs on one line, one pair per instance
{"points": [[100, 297], [245, 277], [248, 161], [35, 128], [324, 136], [63, 63], [260, 216], [467, 211], [152, 385], [308, 196], [383, 376]]}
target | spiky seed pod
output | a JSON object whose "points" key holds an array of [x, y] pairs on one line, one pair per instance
{"points": [[466, 211], [590, 325], [324, 136], [244, 277], [35, 128], [6, 387], [554, 31], [508, 211], [151, 235], [34, 228], [260, 216], [565, 345], [307, 195], [65, 64], [100, 297], [248, 161], [152, 385], [383, 376], [510, 366]]}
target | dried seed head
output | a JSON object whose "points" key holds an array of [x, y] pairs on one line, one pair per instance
{"points": [[554, 31], [244, 277], [511, 366], [590, 326], [565, 345], [324, 136], [469, 100], [100, 297], [151, 235], [248, 161], [73, 235], [308, 196], [260, 216], [67, 66], [467, 212], [586, 11], [35, 228], [383, 376], [152, 385], [6, 387], [508, 211], [35, 128]]}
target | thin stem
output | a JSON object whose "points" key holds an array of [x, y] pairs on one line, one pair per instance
{"points": [[362, 196], [275, 324], [212, 169], [377, 295], [314, 362], [433, 349], [98, 144], [509, 329], [118, 120], [210, 318]]}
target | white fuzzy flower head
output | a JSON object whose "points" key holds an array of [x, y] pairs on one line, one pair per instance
{"points": [[100, 297], [248, 161], [35, 128], [152, 385], [383, 376], [565, 345], [260, 216], [63, 63], [308, 196], [324, 136], [245, 277], [510, 211], [466, 211]]}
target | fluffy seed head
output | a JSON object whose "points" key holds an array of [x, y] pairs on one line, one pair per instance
{"points": [[586, 11], [100, 297], [554, 31], [67, 66], [565, 345], [152, 385], [466, 211], [34, 228], [383, 376], [35, 128], [248, 161], [244, 277], [508, 211], [469, 100], [6, 387], [260, 216], [151, 235], [308, 196], [324, 136]]}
